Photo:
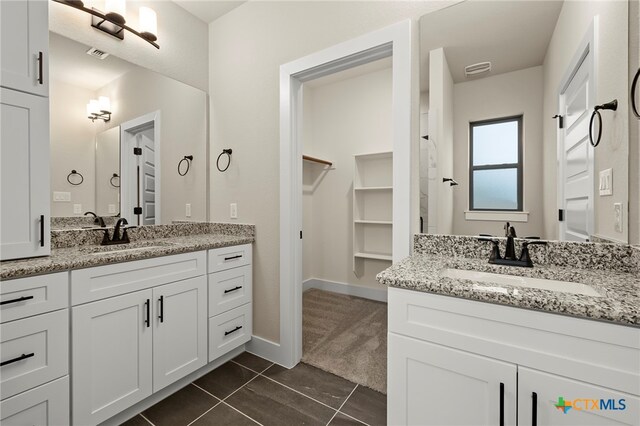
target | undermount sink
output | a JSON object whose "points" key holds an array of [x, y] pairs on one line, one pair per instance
{"points": [[124, 248], [516, 281]]}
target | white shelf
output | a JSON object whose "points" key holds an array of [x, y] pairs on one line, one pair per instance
{"points": [[377, 256], [374, 188], [373, 222]]}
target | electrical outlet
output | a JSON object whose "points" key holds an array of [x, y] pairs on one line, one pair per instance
{"points": [[77, 209], [111, 208], [606, 182], [61, 197], [187, 210], [233, 210], [617, 216]]}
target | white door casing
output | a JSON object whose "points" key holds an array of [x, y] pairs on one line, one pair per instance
{"points": [[395, 41], [576, 100]]}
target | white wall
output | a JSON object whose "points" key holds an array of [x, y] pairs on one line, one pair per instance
{"points": [[612, 83], [183, 131], [183, 39], [504, 95], [441, 135], [107, 163], [343, 118], [72, 146], [634, 127], [246, 48]]}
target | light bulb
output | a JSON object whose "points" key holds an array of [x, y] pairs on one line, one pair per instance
{"points": [[104, 104], [148, 23], [116, 10]]}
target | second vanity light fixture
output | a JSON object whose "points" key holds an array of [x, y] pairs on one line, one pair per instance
{"points": [[113, 21], [99, 109]]}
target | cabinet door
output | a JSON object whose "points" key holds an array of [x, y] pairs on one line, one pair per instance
{"points": [[180, 330], [43, 406], [24, 43], [112, 361], [584, 398], [24, 175], [430, 384]]}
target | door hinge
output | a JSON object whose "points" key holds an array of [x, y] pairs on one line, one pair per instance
{"points": [[561, 215], [137, 151], [560, 121], [137, 210]]}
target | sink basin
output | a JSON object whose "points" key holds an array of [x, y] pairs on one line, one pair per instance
{"points": [[516, 281], [131, 247]]}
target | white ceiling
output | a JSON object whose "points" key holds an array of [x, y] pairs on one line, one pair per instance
{"points": [[512, 35], [208, 10], [69, 63]]}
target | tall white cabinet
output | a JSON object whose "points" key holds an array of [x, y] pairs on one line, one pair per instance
{"points": [[24, 134]]}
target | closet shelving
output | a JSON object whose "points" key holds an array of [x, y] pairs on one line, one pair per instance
{"points": [[372, 208]]}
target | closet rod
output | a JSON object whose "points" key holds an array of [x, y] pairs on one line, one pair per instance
{"points": [[317, 160]]}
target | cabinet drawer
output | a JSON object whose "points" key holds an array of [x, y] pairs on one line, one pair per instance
{"points": [[229, 289], [34, 351], [43, 406], [101, 282], [229, 257], [25, 297], [229, 330]]}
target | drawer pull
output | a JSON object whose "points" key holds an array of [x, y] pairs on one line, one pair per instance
{"points": [[232, 289], [40, 66], [161, 316], [226, 333], [147, 321], [19, 299], [534, 409], [501, 404], [20, 358], [233, 257]]}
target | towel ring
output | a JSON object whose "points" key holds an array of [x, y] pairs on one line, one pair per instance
{"points": [[188, 159], [634, 85], [224, 151], [115, 175], [74, 172], [613, 105]]}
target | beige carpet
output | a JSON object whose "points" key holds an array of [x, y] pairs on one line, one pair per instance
{"points": [[346, 336]]}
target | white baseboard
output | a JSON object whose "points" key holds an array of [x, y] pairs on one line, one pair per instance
{"points": [[266, 349], [371, 293]]}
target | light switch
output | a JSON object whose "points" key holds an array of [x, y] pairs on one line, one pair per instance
{"points": [[77, 209], [61, 197], [233, 210], [187, 212], [111, 208], [606, 182], [617, 216]]}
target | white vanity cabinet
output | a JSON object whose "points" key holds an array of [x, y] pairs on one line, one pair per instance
{"points": [[129, 346], [457, 361], [34, 350], [24, 134], [24, 43]]}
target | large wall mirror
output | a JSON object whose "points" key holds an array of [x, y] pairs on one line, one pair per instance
{"points": [[508, 91], [145, 161]]}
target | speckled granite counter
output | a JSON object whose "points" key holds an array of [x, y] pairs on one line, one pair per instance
{"points": [[620, 289], [163, 241]]}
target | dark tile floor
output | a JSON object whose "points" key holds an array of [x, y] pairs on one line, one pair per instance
{"points": [[250, 390]]}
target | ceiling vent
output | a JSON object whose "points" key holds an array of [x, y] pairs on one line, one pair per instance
{"points": [[97, 53], [475, 69]]}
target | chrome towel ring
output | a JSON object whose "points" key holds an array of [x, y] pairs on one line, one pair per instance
{"points": [[187, 159], [613, 105], [75, 173], [224, 151]]}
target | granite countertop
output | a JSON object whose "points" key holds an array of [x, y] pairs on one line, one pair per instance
{"points": [[620, 301], [86, 256]]}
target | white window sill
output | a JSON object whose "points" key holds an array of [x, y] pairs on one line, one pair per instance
{"points": [[497, 216]]}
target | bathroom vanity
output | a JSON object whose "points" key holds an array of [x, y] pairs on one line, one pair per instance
{"points": [[476, 350], [91, 331]]}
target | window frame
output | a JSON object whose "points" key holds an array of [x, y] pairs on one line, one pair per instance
{"points": [[519, 166]]}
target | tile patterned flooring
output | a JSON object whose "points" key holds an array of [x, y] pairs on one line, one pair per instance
{"points": [[249, 390]]}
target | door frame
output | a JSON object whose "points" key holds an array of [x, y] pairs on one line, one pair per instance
{"points": [[127, 129], [588, 47], [395, 41]]}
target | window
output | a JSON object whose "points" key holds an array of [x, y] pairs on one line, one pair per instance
{"points": [[495, 164]]}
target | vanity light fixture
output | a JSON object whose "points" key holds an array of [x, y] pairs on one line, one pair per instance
{"points": [[99, 109], [113, 21]]}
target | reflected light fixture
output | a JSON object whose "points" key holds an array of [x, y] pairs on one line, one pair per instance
{"points": [[99, 109], [113, 21]]}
